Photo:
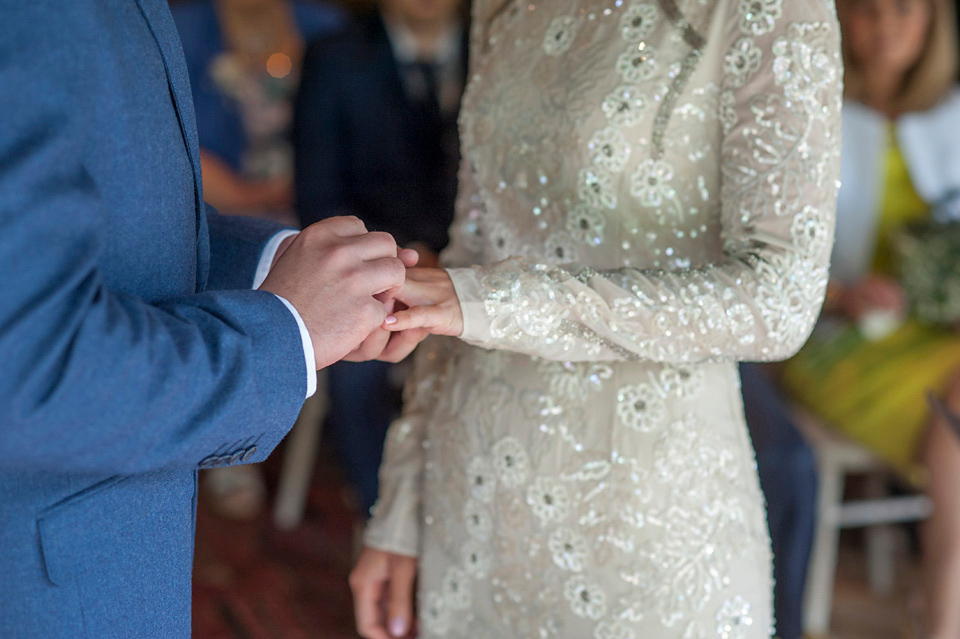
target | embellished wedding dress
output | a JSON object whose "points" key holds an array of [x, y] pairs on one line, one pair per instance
{"points": [[647, 197]]}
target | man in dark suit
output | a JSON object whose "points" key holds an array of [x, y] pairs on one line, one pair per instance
{"points": [[375, 135], [134, 349]]}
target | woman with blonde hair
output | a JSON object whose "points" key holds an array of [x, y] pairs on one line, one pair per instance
{"points": [[872, 363]]}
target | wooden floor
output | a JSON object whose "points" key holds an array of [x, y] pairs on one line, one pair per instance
{"points": [[253, 582], [857, 614]]}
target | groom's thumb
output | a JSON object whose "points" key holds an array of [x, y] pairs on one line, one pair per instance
{"points": [[403, 572]]}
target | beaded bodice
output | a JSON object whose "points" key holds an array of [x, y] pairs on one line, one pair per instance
{"points": [[686, 151], [647, 196]]}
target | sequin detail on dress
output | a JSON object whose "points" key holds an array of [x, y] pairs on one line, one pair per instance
{"points": [[647, 197]]}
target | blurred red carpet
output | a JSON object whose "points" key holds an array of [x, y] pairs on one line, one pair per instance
{"points": [[252, 581]]}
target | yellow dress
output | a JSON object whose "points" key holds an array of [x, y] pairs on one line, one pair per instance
{"points": [[874, 392]]}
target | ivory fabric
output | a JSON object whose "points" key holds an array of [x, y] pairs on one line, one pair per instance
{"points": [[647, 197]]}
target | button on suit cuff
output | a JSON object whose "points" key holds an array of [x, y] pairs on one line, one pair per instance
{"points": [[308, 354], [269, 253]]}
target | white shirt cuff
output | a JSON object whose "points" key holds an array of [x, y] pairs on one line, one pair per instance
{"points": [[263, 268], [266, 258], [308, 354]]}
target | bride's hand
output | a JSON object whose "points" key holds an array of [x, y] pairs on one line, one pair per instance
{"points": [[432, 304], [383, 578]]}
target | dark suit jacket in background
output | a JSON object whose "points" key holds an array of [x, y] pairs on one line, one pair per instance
{"points": [[123, 369], [361, 147]]}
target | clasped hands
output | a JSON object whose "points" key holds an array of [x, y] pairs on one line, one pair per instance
{"points": [[360, 296], [424, 304]]}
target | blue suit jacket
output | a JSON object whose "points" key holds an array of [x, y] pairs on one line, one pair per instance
{"points": [[126, 362]]}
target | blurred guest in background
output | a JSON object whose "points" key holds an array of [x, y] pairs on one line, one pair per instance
{"points": [[243, 57], [869, 366], [788, 477], [375, 135], [376, 129]]}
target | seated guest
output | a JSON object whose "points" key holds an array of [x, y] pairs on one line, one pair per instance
{"points": [[870, 365], [788, 477], [243, 58], [375, 135]]}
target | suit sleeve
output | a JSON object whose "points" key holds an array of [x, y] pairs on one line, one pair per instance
{"points": [[96, 379], [237, 243], [319, 139]]}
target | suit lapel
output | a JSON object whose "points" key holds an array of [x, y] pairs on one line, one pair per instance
{"points": [[157, 16]]}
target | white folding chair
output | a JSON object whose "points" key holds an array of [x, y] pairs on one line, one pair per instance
{"points": [[838, 457]]}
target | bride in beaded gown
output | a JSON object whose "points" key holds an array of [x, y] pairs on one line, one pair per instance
{"points": [[647, 197]]}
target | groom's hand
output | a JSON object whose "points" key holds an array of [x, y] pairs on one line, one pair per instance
{"points": [[330, 273], [377, 342]]}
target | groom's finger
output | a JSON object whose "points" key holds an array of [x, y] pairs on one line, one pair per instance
{"points": [[344, 225], [370, 348], [400, 602], [402, 344], [409, 257], [382, 275]]}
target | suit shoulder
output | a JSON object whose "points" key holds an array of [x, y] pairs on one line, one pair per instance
{"points": [[315, 19], [353, 41], [192, 10], [198, 28]]}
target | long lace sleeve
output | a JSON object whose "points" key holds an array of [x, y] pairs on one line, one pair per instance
{"points": [[779, 110], [395, 524]]}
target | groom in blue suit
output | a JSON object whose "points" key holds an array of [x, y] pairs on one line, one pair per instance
{"points": [[134, 347]]}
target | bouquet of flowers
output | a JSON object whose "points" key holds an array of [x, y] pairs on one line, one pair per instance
{"points": [[929, 259]]}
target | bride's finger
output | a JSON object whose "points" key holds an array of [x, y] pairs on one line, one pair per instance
{"points": [[403, 571], [428, 317], [370, 624], [417, 292]]}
